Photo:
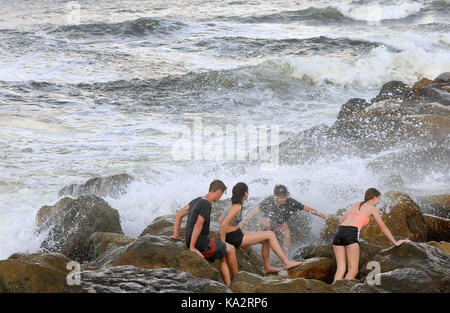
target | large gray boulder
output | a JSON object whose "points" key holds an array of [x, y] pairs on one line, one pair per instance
{"points": [[131, 279], [153, 252], [410, 267], [69, 230], [34, 273], [113, 186]]}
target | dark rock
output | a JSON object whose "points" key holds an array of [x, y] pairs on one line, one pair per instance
{"points": [[34, 273], [444, 246], [438, 228], [101, 242], [405, 280], [344, 285], [245, 282], [420, 257], [420, 87], [153, 252], [351, 107], [438, 205], [367, 251], [131, 279], [391, 123], [439, 96], [163, 226], [442, 78], [47, 211], [249, 259], [392, 90], [399, 116], [318, 268], [113, 186], [251, 283], [70, 229]]}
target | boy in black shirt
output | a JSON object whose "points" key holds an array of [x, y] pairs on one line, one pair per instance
{"points": [[197, 231], [277, 211]]}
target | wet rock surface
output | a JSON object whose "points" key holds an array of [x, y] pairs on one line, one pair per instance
{"points": [[83, 227], [69, 230], [131, 279]]}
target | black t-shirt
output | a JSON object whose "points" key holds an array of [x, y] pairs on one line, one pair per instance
{"points": [[279, 214], [199, 206]]}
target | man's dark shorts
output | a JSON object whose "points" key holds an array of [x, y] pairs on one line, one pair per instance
{"points": [[217, 250]]}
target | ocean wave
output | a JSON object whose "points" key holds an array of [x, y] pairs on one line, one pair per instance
{"points": [[312, 13], [138, 27], [230, 47], [371, 70], [374, 12], [443, 4]]}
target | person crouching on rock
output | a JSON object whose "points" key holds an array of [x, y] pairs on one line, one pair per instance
{"points": [[346, 239], [215, 186], [197, 231], [232, 233], [277, 211]]}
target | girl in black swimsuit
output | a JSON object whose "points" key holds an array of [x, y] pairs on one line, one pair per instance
{"points": [[232, 233]]}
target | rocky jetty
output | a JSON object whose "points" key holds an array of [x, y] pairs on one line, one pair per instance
{"points": [[156, 263], [81, 226], [415, 118]]}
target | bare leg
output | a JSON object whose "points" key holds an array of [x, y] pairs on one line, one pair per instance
{"points": [[251, 238], [352, 260], [341, 262], [225, 272], [231, 259], [286, 238], [265, 249]]}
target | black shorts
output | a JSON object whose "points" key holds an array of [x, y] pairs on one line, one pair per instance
{"points": [[235, 237], [346, 235], [217, 250]]}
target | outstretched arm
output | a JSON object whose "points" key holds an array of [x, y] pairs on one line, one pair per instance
{"points": [[178, 219], [315, 212], [384, 228], [249, 217]]}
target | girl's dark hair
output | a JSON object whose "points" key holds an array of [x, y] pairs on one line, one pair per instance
{"points": [[239, 191], [369, 195]]}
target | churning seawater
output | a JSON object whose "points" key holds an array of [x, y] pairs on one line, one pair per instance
{"points": [[94, 88]]}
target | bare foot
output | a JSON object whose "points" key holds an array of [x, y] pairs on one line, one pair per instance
{"points": [[293, 264], [272, 270]]}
